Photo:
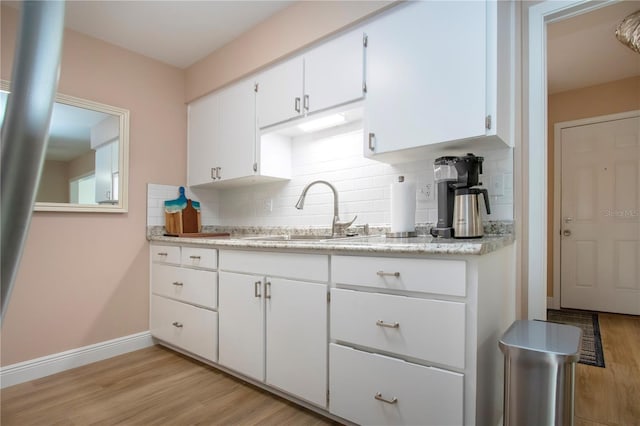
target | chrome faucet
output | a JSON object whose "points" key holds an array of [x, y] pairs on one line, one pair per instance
{"points": [[337, 227]]}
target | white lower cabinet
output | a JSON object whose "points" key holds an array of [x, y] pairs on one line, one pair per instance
{"points": [[373, 389], [273, 329], [184, 299], [185, 326]]}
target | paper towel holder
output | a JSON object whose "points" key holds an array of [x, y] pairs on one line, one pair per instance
{"points": [[408, 234]]}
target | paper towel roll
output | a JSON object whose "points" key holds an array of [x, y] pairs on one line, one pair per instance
{"points": [[403, 206]]}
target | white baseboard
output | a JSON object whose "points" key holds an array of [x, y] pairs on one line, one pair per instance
{"points": [[41, 367]]}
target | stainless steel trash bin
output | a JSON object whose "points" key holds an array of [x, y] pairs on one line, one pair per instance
{"points": [[539, 372]]}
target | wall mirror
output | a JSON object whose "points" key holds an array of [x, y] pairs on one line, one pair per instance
{"points": [[87, 160]]}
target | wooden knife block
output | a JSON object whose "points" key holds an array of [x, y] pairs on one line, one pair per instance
{"points": [[183, 222]]}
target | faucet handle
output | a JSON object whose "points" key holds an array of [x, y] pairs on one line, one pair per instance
{"points": [[340, 227]]}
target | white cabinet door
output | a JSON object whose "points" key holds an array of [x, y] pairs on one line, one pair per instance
{"points": [[297, 338], [426, 75], [105, 168], [334, 72], [241, 328], [204, 130], [280, 92], [234, 147]]}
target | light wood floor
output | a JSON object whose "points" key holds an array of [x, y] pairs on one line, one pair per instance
{"points": [[157, 386], [153, 386], [611, 395]]}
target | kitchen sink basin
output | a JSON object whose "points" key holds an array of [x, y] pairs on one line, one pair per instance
{"points": [[294, 238]]}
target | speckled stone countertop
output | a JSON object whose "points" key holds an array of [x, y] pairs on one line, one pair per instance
{"points": [[497, 236]]}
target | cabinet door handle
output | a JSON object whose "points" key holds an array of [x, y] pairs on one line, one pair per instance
{"points": [[381, 323], [213, 173], [177, 324], [296, 105], [379, 397], [177, 283], [256, 289], [306, 103], [194, 257], [372, 137], [163, 254], [267, 290], [388, 274]]}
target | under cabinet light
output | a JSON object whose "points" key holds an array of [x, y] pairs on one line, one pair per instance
{"points": [[322, 123]]}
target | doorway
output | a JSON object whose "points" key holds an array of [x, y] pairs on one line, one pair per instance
{"points": [[537, 244], [597, 219]]}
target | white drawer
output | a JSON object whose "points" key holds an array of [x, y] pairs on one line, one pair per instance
{"points": [[423, 395], [200, 257], [437, 276], [165, 254], [313, 267], [432, 330], [188, 285], [185, 326]]}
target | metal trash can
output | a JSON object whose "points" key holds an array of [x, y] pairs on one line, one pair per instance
{"points": [[539, 372]]}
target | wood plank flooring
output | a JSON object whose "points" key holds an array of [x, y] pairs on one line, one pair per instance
{"points": [[611, 395], [156, 386], [153, 386]]}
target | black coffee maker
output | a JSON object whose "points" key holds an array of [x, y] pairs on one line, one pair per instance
{"points": [[450, 174]]}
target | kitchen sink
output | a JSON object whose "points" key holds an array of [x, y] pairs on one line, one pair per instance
{"points": [[294, 238]]}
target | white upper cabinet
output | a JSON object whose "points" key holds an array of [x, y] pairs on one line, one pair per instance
{"points": [[223, 146], [334, 72], [204, 131], [329, 75], [280, 92], [431, 77]]}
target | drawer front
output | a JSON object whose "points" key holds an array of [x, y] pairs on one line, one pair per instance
{"points": [[185, 326], [188, 285], [432, 330], [165, 254], [312, 267], [200, 257], [436, 276], [413, 394]]}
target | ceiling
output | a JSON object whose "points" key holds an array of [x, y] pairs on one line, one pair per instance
{"points": [[583, 51]]}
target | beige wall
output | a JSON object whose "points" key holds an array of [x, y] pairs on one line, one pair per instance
{"points": [[603, 99], [84, 277], [285, 32], [83, 165], [54, 182]]}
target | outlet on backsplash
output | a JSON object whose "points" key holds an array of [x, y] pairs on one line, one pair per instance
{"points": [[264, 205], [428, 190]]}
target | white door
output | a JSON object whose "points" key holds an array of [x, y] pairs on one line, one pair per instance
{"points": [[600, 249], [241, 323], [297, 338], [334, 72], [234, 149]]}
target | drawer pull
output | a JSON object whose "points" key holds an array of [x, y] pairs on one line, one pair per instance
{"points": [[267, 290], [163, 254], [177, 324], [379, 397], [177, 283], [381, 323], [194, 257], [388, 274], [256, 289]]}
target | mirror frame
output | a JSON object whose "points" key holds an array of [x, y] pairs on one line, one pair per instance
{"points": [[123, 158]]}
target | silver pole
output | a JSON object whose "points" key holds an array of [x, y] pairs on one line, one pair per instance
{"points": [[36, 68]]}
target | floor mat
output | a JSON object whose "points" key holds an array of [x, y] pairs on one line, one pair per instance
{"points": [[591, 350]]}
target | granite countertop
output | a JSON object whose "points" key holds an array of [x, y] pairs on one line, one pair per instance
{"points": [[250, 238]]}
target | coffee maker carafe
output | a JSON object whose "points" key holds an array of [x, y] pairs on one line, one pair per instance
{"points": [[455, 177]]}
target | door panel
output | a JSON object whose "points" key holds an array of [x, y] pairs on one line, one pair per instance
{"points": [[601, 216]]}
